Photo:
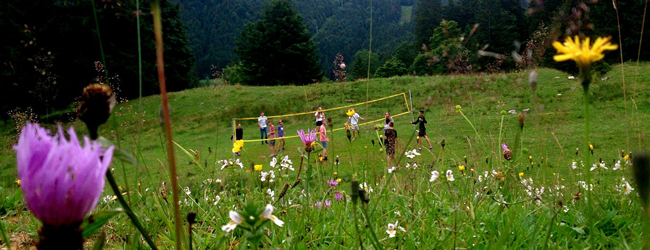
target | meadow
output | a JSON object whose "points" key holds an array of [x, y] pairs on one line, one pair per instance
{"points": [[538, 199]]}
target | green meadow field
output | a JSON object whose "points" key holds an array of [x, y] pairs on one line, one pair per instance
{"points": [[535, 200]]}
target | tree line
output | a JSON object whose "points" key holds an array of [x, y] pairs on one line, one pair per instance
{"points": [[51, 50]]}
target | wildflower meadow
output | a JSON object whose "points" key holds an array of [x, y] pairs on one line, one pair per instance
{"points": [[531, 158]]}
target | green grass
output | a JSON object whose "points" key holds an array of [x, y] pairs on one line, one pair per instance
{"points": [[407, 12], [464, 213]]}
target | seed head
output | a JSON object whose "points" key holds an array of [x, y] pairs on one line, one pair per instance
{"points": [[97, 102]]}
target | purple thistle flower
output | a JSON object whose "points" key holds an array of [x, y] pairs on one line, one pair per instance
{"points": [[338, 196], [61, 180], [308, 138], [333, 183], [506, 152], [328, 203]]}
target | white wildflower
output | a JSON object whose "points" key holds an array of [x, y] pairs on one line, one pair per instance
{"points": [[434, 176]]}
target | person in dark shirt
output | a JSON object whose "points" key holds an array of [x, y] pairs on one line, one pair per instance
{"points": [[391, 144], [422, 131], [239, 132]]}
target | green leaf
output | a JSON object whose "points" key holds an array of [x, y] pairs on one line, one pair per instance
{"points": [[579, 230], [94, 222], [118, 153], [100, 242]]}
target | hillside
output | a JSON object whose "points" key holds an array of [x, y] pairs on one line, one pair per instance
{"points": [[543, 151], [338, 26], [202, 117]]}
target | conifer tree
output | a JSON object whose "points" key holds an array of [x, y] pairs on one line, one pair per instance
{"points": [[278, 49]]}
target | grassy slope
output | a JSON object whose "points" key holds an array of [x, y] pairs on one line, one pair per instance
{"points": [[201, 121], [201, 117]]}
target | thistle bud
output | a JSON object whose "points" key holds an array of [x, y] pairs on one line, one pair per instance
{"points": [[521, 117], [191, 217], [641, 166], [97, 102], [442, 143]]}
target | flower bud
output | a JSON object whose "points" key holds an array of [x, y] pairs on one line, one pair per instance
{"points": [[97, 102], [191, 217]]}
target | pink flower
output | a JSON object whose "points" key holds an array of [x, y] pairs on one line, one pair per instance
{"points": [[338, 196], [61, 180], [333, 183], [308, 138], [319, 204], [328, 203]]}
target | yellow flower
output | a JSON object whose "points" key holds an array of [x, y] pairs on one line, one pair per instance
{"points": [[582, 52], [521, 174], [461, 168], [350, 112], [591, 147], [530, 157], [237, 146], [627, 157], [18, 182], [338, 180], [258, 167]]}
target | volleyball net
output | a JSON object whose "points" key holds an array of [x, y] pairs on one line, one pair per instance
{"points": [[372, 111]]}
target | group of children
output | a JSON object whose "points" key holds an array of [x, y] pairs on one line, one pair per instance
{"points": [[268, 132]]}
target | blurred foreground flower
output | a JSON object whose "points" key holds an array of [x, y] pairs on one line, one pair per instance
{"points": [[61, 181], [237, 146]]}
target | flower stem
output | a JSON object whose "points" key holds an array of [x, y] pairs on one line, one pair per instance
{"points": [[155, 6], [587, 156]]}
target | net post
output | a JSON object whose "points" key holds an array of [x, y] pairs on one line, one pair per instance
{"points": [[234, 133], [410, 108]]}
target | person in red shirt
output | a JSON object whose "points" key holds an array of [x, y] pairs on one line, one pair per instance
{"points": [[272, 138], [323, 138]]}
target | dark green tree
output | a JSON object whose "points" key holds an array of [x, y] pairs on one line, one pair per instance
{"points": [[392, 67], [359, 67], [428, 14], [278, 49]]}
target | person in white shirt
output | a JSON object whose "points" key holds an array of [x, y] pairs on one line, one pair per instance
{"points": [[320, 116], [354, 124], [261, 122]]}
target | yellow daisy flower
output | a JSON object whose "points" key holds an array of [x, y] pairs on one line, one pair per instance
{"points": [[258, 167], [582, 52]]}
